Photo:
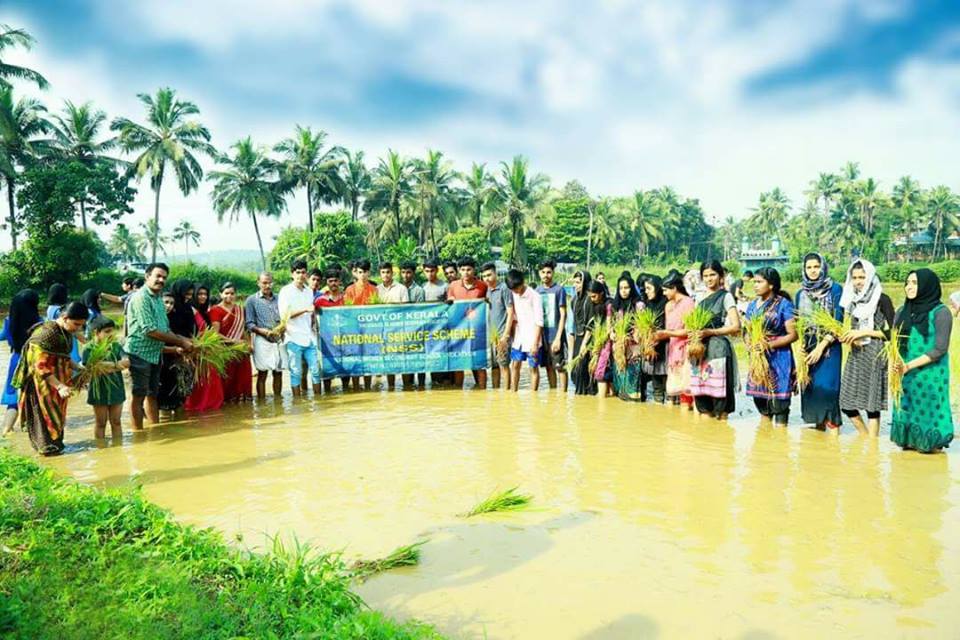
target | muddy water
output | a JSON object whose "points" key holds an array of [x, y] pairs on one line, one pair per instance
{"points": [[648, 522]]}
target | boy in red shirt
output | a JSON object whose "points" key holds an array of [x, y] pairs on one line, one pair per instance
{"points": [[468, 287]]}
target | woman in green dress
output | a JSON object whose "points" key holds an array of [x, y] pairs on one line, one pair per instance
{"points": [[923, 421]]}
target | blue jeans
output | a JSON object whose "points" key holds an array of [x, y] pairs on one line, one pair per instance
{"points": [[296, 354]]}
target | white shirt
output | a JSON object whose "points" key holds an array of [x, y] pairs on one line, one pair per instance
{"points": [[396, 293], [291, 300], [528, 310]]}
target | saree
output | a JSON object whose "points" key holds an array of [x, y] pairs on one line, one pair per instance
{"points": [[42, 411], [713, 380], [238, 376], [207, 393]]}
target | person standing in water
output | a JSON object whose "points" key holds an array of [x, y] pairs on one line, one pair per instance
{"points": [[820, 399], [262, 311], [629, 383], [923, 420], [527, 330], [296, 303], [679, 304], [654, 370], [500, 299], [863, 385], [713, 380], [24, 314], [554, 299], [107, 394], [772, 397], [468, 287]]}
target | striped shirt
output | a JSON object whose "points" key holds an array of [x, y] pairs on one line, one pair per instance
{"points": [[262, 313], [145, 313]]}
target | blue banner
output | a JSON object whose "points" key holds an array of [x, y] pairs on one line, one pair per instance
{"points": [[403, 338]]}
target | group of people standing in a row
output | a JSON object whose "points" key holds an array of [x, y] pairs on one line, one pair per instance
{"points": [[857, 389], [528, 326]]}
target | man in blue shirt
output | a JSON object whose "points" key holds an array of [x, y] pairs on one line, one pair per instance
{"points": [[553, 354]]}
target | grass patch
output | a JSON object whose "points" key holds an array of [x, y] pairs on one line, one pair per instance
{"points": [[79, 563], [508, 500], [405, 556]]}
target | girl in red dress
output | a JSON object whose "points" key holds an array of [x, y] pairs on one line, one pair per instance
{"points": [[207, 394], [228, 318]]}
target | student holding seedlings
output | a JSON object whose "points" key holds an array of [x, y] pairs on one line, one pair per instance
{"points": [[654, 369], [771, 329], [107, 394], [500, 299], [820, 394], [922, 419], [863, 385], [628, 382], [262, 311], [588, 309], [678, 306], [230, 320], [713, 380]]}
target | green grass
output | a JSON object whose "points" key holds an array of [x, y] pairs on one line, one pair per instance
{"points": [[405, 556], [79, 563], [508, 500]]}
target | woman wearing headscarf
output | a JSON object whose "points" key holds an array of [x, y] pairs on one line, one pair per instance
{"points": [[43, 375], [679, 304], [714, 378], [627, 300], [654, 370], [589, 308], [175, 376], [820, 398], [91, 299], [772, 395], [24, 314], [863, 385], [923, 420]]}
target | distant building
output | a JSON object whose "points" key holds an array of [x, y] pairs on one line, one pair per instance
{"points": [[752, 259], [920, 245]]}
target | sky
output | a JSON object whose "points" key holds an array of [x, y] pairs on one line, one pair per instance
{"points": [[720, 100]]}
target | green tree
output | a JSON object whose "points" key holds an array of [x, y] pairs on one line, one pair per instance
{"points": [[403, 250], [908, 198], [306, 164], [943, 212], [566, 236], [480, 191], [432, 187], [76, 136], [153, 239], [354, 181], [824, 189], [468, 241], [338, 240], [170, 138], [188, 233], [248, 183], [69, 256], [22, 122], [771, 214], [870, 201], [9, 39], [644, 214], [124, 246], [522, 195], [390, 185]]}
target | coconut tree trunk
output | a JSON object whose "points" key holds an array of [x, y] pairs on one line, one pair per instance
{"points": [[477, 213], [396, 217], [13, 211], [309, 210], [83, 213], [256, 228], [156, 223], [355, 207]]}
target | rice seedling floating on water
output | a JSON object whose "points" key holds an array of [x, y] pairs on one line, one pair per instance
{"points": [[891, 352], [800, 353], [508, 500], [621, 331], [405, 556], [697, 320], [100, 363], [755, 336]]}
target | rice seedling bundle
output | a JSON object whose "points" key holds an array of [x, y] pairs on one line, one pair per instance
{"points": [[800, 353], [281, 328], [696, 321], [600, 335], [100, 363], [211, 351], [825, 323], [891, 352], [621, 332], [644, 328], [508, 500], [405, 556], [758, 366]]}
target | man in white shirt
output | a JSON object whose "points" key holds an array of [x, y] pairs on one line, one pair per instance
{"points": [[296, 304], [527, 329]]}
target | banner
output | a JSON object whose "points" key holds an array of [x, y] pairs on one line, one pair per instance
{"points": [[403, 338]]}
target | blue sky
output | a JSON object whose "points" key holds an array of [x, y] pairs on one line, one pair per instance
{"points": [[721, 100]]}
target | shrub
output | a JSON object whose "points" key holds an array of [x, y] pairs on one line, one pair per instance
{"points": [[70, 256], [213, 277], [469, 241], [336, 238]]}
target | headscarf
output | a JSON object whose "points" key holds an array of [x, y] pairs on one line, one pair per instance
{"points": [[916, 312], [202, 309], [23, 315], [659, 302], [628, 304], [57, 295], [181, 318], [818, 290], [596, 312], [862, 305], [581, 301], [91, 298]]}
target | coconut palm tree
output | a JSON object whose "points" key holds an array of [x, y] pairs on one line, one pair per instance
{"points": [[307, 164], [851, 171], [644, 214], [771, 213], [907, 197], [521, 195], [22, 122], [824, 189], [170, 138], [10, 38], [390, 185], [432, 188], [480, 189], [250, 182], [943, 212], [870, 201], [354, 181], [609, 225], [152, 238], [188, 233], [76, 136], [124, 245]]}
